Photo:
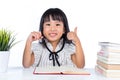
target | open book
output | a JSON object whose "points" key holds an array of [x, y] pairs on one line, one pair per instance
{"points": [[60, 70]]}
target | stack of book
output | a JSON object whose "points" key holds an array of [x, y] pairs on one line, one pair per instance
{"points": [[108, 59]]}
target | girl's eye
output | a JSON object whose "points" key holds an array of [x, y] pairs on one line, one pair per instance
{"points": [[57, 24], [47, 24]]}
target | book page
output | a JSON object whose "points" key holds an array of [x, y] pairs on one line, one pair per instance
{"points": [[47, 70], [60, 70]]}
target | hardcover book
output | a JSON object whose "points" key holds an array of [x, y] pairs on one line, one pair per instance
{"points": [[110, 44], [109, 66], [109, 54], [108, 73], [110, 47], [108, 60]]}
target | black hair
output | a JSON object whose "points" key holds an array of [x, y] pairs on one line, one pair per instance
{"points": [[56, 14]]}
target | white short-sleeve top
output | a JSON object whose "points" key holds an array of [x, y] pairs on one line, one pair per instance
{"points": [[42, 54]]}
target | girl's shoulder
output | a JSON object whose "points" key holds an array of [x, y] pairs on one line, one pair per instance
{"points": [[69, 48], [69, 45], [37, 45]]}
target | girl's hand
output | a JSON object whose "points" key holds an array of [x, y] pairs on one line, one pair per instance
{"points": [[35, 36], [73, 35]]}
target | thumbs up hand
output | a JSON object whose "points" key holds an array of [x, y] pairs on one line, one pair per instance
{"points": [[73, 35]]}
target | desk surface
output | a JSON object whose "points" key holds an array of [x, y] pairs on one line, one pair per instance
{"points": [[19, 73]]}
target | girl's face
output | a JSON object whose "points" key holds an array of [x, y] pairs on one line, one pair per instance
{"points": [[53, 30]]}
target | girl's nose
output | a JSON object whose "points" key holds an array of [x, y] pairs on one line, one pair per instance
{"points": [[53, 28]]}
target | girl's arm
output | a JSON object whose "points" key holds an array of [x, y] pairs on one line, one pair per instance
{"points": [[28, 56], [78, 57]]}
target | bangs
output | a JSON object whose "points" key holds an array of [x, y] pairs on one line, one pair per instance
{"points": [[57, 17]]}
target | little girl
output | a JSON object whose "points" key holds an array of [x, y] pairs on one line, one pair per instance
{"points": [[56, 46]]}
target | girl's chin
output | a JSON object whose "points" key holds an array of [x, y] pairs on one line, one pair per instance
{"points": [[53, 39]]}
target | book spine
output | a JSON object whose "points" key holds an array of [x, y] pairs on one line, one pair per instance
{"points": [[108, 48], [102, 64], [102, 53], [107, 61], [100, 71], [109, 44], [109, 66], [109, 54]]}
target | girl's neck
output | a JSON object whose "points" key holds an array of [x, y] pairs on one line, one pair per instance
{"points": [[54, 44]]}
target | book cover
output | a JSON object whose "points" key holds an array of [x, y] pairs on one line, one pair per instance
{"points": [[107, 73], [60, 70], [108, 66]]}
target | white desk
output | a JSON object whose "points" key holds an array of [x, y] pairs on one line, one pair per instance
{"points": [[19, 73]]}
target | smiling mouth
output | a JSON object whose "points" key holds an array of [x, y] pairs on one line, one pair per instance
{"points": [[52, 34]]}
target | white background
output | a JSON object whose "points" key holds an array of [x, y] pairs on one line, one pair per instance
{"points": [[97, 20]]}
